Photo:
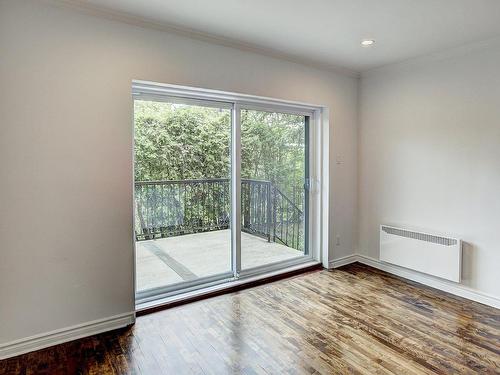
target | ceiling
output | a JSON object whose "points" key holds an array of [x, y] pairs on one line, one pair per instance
{"points": [[326, 32]]}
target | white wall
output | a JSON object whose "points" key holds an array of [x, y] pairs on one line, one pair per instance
{"points": [[66, 152], [429, 154]]}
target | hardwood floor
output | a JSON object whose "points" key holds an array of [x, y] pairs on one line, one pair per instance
{"points": [[351, 320]]}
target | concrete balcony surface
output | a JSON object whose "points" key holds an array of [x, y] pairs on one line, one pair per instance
{"points": [[171, 260]]}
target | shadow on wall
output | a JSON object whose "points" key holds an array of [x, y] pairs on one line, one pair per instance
{"points": [[468, 264]]}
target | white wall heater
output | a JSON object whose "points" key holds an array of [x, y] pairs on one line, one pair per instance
{"points": [[424, 252]]}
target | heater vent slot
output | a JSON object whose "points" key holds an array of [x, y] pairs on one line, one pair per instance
{"points": [[420, 236]]}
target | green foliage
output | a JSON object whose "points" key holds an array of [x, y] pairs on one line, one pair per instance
{"points": [[272, 149], [179, 142]]}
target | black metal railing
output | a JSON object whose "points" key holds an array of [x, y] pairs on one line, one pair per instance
{"points": [[288, 221], [173, 208]]}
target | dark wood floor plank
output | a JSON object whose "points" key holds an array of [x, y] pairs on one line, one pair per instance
{"points": [[438, 337], [344, 331], [386, 332], [437, 310], [352, 320]]}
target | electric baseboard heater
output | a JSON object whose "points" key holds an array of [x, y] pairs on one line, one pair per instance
{"points": [[424, 252]]}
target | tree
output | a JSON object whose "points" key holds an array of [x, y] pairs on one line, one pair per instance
{"points": [[181, 142], [177, 142]]}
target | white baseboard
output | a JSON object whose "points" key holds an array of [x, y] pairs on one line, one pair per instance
{"points": [[343, 261], [434, 282], [60, 336], [44, 340]]}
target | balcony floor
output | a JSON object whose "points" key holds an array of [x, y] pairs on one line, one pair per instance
{"points": [[172, 260]]}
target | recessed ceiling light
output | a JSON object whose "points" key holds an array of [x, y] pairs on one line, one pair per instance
{"points": [[367, 42]]}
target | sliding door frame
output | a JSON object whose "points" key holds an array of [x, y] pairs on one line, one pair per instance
{"points": [[236, 190], [308, 256], [316, 204]]}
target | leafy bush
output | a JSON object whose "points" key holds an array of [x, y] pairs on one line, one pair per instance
{"points": [[180, 142]]}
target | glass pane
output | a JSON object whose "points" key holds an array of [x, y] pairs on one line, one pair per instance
{"points": [[273, 198], [182, 192]]}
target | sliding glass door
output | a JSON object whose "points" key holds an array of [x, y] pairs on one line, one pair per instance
{"points": [[221, 191], [182, 193], [273, 180]]}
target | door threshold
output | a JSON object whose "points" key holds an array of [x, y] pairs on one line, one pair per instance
{"points": [[223, 288]]}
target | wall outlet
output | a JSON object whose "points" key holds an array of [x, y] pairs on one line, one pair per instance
{"points": [[337, 241]]}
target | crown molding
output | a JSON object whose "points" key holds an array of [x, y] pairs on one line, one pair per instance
{"points": [[443, 55], [124, 17]]}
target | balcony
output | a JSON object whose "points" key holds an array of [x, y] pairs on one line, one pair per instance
{"points": [[182, 229]]}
